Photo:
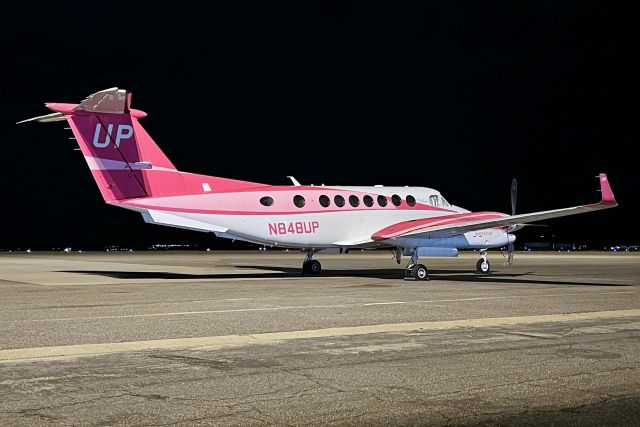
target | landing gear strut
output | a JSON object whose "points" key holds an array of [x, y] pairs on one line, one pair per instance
{"points": [[414, 270], [310, 265], [483, 266]]}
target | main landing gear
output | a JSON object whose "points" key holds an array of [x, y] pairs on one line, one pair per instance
{"points": [[414, 270], [483, 266], [310, 265]]}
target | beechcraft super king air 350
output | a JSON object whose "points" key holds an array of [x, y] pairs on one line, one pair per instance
{"points": [[133, 173]]}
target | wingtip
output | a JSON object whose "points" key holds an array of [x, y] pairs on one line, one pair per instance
{"points": [[605, 189]]}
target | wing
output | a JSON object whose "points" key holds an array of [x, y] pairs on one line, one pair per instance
{"points": [[449, 225]]}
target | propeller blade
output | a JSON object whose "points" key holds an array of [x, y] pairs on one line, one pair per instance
{"points": [[514, 195], [510, 255]]}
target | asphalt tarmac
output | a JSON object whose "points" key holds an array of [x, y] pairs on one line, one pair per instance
{"points": [[242, 338]]}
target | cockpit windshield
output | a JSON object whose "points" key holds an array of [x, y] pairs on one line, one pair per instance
{"points": [[436, 200]]}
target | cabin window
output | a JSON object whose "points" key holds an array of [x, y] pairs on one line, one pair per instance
{"points": [[354, 201], [433, 200], [324, 201], [396, 200], [339, 201], [368, 201], [266, 201], [411, 201], [382, 201], [298, 200]]}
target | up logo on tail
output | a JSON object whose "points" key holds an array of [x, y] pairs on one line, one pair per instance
{"points": [[122, 132]]}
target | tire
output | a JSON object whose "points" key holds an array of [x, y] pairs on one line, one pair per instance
{"points": [[483, 266], [420, 272], [314, 267], [306, 267]]}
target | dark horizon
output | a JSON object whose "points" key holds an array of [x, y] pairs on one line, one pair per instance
{"points": [[458, 97]]}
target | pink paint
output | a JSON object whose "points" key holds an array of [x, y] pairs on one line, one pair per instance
{"points": [[237, 200], [120, 139], [605, 189], [242, 203], [408, 226], [298, 227], [60, 107]]}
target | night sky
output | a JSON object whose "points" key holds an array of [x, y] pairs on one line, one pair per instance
{"points": [[458, 96]]}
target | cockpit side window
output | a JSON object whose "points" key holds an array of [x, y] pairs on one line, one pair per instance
{"points": [[434, 200]]}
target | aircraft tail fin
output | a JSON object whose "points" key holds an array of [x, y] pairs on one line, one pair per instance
{"points": [[125, 161]]}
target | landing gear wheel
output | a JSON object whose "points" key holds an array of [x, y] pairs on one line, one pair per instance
{"points": [[417, 272], [483, 266], [420, 272], [311, 267]]}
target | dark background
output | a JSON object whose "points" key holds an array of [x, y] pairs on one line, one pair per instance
{"points": [[458, 96]]}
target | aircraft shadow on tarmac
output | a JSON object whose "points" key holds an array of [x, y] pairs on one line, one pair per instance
{"points": [[390, 274]]}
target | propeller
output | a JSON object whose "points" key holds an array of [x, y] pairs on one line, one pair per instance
{"points": [[514, 196]]}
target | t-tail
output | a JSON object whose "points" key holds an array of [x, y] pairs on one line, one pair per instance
{"points": [[125, 161]]}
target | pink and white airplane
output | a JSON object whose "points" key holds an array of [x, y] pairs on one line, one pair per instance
{"points": [[133, 173]]}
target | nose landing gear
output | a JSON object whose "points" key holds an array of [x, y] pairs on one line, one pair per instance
{"points": [[483, 266]]}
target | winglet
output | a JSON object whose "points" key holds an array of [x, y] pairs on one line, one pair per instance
{"points": [[607, 195]]}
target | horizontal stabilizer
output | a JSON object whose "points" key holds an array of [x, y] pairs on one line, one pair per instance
{"points": [[47, 118]]}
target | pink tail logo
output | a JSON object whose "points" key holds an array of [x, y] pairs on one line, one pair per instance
{"points": [[122, 132]]}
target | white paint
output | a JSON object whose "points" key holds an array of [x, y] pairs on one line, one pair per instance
{"points": [[96, 136], [122, 132], [227, 341], [386, 303], [97, 163]]}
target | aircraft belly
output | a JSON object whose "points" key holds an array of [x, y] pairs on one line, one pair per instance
{"points": [[481, 239], [351, 228], [458, 241], [329, 229]]}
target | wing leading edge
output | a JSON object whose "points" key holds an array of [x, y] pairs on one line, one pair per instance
{"points": [[449, 225]]}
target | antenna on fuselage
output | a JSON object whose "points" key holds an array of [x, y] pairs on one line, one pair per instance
{"points": [[295, 181]]}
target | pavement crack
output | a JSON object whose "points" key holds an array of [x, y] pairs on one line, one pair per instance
{"points": [[36, 411], [318, 381]]}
